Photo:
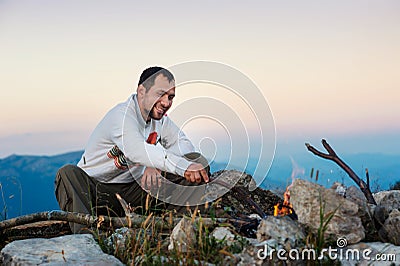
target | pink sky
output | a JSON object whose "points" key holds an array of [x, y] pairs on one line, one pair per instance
{"points": [[326, 70]]}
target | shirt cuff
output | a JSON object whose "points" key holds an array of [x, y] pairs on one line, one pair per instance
{"points": [[177, 163]]}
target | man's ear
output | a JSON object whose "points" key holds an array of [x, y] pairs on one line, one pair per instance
{"points": [[141, 90]]}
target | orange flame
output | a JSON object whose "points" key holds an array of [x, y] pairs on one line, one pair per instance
{"points": [[285, 208]]}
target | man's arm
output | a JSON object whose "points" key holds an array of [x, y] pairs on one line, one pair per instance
{"points": [[174, 139], [195, 173], [129, 137], [177, 142]]}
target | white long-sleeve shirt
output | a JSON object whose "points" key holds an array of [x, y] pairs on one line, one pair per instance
{"points": [[117, 151]]}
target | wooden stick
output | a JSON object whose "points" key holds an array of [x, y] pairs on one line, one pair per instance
{"points": [[331, 155], [243, 196], [367, 175], [105, 221]]}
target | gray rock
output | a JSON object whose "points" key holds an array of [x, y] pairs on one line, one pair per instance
{"points": [[306, 198], [381, 213], [390, 231], [182, 236], [63, 250], [265, 199], [224, 233], [355, 195], [118, 240], [231, 178], [161, 260], [389, 199], [366, 212], [247, 257], [374, 252], [283, 229], [339, 188]]}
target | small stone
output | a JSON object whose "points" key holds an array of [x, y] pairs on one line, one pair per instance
{"points": [[282, 229], [224, 233], [183, 235], [118, 240], [340, 189]]}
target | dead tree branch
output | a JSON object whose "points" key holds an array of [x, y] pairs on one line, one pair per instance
{"points": [[135, 221], [331, 155]]}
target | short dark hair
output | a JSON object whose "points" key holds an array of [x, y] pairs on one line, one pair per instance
{"points": [[149, 75]]}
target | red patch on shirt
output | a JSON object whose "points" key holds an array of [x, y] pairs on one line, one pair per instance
{"points": [[152, 139]]}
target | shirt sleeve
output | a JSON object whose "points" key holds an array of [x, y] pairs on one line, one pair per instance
{"points": [[129, 135], [174, 139]]}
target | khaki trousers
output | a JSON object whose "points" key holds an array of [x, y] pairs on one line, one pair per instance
{"points": [[76, 191]]}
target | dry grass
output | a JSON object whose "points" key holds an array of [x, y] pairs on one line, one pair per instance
{"points": [[148, 244]]}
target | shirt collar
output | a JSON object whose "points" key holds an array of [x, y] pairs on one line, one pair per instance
{"points": [[137, 111]]}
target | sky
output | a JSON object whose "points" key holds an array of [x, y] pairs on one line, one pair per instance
{"points": [[326, 70]]}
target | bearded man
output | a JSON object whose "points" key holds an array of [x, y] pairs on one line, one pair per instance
{"points": [[130, 151]]}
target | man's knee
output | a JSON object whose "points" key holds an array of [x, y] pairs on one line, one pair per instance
{"points": [[67, 171], [61, 190], [68, 181]]}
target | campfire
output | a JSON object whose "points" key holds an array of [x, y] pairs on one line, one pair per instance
{"points": [[285, 208]]}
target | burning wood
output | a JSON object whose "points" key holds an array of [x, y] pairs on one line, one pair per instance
{"points": [[285, 208]]}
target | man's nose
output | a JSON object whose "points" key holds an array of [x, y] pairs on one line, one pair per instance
{"points": [[165, 102]]}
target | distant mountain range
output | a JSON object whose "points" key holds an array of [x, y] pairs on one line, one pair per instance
{"points": [[27, 182]]}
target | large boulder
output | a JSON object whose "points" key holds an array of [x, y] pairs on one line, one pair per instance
{"points": [[308, 199], [366, 212], [387, 215], [65, 250]]}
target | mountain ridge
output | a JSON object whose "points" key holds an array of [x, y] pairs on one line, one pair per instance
{"points": [[27, 181]]}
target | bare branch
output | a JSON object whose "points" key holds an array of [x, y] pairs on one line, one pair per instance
{"points": [[328, 148], [105, 221], [367, 175], [334, 157], [317, 152]]}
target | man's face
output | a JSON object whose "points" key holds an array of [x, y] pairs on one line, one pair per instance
{"points": [[158, 99]]}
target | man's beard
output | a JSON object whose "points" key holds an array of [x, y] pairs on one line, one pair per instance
{"points": [[153, 114]]}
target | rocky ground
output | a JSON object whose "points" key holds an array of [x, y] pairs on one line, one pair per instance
{"points": [[338, 218]]}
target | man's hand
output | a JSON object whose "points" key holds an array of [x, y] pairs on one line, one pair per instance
{"points": [[195, 173], [151, 177]]}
